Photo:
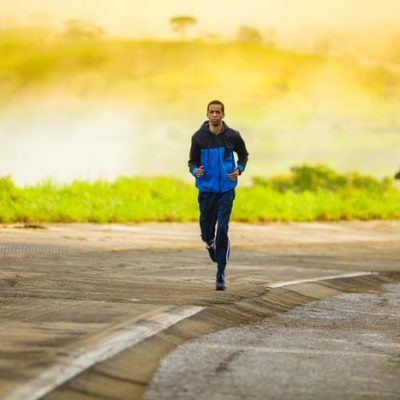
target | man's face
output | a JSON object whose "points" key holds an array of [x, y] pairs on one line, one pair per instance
{"points": [[215, 114]]}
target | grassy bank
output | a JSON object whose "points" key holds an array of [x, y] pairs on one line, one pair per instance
{"points": [[176, 74], [305, 194]]}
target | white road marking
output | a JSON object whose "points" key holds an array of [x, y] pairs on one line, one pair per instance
{"points": [[121, 339], [322, 278]]}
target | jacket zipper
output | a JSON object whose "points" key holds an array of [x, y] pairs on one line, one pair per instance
{"points": [[219, 171]]}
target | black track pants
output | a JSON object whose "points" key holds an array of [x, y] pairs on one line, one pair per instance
{"points": [[215, 212]]}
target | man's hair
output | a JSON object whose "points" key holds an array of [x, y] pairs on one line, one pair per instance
{"points": [[220, 103]]}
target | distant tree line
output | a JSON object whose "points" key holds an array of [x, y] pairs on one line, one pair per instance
{"points": [[382, 46], [245, 34]]}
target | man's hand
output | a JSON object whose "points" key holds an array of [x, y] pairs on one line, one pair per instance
{"points": [[234, 175], [200, 171]]}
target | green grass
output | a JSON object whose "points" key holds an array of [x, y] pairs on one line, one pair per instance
{"points": [[125, 200], [307, 193]]}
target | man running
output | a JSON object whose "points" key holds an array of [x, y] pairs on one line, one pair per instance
{"points": [[213, 164]]}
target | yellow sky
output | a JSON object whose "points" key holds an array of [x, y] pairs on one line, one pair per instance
{"points": [[150, 17]]}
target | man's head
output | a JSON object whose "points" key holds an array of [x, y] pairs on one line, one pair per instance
{"points": [[215, 112], [218, 103]]}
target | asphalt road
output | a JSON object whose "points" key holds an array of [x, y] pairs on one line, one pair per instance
{"points": [[91, 311], [342, 347]]}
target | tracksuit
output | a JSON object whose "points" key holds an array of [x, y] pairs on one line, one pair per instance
{"points": [[216, 190]]}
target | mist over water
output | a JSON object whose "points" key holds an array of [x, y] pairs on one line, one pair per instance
{"points": [[64, 139], [68, 139], [67, 142]]}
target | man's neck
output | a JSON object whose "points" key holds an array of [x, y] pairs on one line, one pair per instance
{"points": [[216, 129]]}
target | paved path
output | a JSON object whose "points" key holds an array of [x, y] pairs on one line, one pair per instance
{"points": [[89, 311]]}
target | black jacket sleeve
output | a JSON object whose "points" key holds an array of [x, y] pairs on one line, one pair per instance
{"points": [[194, 155], [241, 151]]}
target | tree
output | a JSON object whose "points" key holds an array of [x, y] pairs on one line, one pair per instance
{"points": [[80, 30], [181, 23], [248, 34], [270, 37]]}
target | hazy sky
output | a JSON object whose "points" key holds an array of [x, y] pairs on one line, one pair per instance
{"points": [[150, 17]]}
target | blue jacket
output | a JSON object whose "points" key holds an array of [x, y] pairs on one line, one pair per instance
{"points": [[215, 154]]}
